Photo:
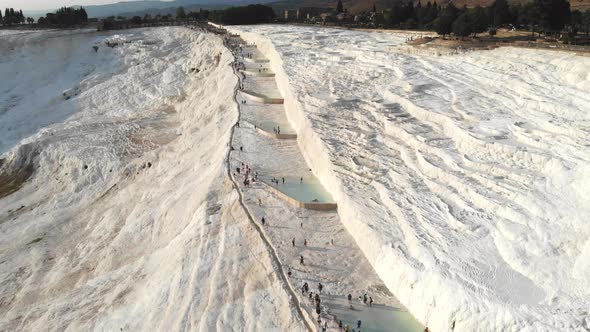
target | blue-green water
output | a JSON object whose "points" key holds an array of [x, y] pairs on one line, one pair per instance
{"points": [[310, 190], [378, 318]]}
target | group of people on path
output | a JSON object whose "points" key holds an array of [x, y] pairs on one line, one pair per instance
{"points": [[367, 300], [248, 177]]}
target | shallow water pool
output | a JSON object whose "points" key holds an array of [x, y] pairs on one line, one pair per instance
{"points": [[378, 318], [310, 190]]}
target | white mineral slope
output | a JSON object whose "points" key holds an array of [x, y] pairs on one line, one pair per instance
{"points": [[464, 179], [129, 221]]}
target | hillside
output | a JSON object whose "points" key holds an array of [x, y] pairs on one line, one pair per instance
{"points": [[130, 8]]}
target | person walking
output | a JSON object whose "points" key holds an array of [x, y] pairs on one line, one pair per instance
{"points": [[320, 287], [350, 300], [358, 324], [263, 221], [305, 242], [301, 260], [293, 241], [370, 301]]}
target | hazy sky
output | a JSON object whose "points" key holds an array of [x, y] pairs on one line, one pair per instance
{"points": [[50, 4]]}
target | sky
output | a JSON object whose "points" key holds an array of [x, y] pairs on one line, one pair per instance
{"points": [[51, 4]]}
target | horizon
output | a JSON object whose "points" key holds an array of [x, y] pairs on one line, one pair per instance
{"points": [[40, 5]]}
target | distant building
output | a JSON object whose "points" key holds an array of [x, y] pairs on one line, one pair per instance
{"points": [[291, 14], [306, 13]]}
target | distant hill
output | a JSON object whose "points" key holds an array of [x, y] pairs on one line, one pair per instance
{"points": [[127, 8], [154, 7]]}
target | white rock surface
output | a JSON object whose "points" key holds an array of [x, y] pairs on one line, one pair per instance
{"points": [[462, 178], [128, 222]]}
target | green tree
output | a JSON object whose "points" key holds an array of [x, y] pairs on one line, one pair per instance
{"points": [[586, 21], [462, 25], [553, 14], [180, 14], [446, 18], [501, 12], [340, 7], [479, 20]]}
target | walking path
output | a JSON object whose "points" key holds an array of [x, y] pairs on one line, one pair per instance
{"points": [[330, 255]]}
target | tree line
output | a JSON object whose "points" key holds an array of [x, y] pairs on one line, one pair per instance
{"points": [[545, 15], [251, 14], [12, 16], [65, 17]]}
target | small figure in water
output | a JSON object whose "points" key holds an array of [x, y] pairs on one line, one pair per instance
{"points": [[283, 180], [300, 180], [358, 324], [301, 260], [340, 325]]}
